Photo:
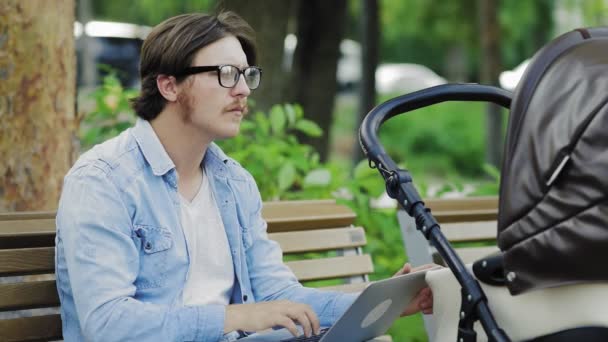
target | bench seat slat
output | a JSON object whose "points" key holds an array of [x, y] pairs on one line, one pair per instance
{"points": [[319, 240], [27, 261], [327, 268], [28, 295], [36, 328]]}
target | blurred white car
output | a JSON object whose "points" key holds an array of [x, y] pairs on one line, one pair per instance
{"points": [[405, 78], [510, 78]]}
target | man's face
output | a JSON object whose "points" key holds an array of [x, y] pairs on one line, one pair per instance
{"points": [[206, 105]]}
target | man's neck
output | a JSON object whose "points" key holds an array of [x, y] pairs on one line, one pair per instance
{"points": [[185, 145]]}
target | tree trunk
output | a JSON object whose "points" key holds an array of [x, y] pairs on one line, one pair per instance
{"points": [[37, 97], [320, 29], [269, 19], [490, 71], [370, 32]]}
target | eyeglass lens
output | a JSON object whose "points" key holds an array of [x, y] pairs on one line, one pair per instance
{"points": [[229, 76]]}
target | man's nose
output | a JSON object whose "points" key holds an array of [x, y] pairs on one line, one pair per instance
{"points": [[241, 88]]}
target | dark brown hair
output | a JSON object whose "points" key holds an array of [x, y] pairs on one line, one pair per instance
{"points": [[172, 45]]}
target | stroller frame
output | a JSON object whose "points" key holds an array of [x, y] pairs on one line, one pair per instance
{"points": [[474, 304]]}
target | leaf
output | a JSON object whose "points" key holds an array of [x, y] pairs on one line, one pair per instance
{"points": [[286, 176], [277, 119], [309, 128], [290, 113], [318, 177]]}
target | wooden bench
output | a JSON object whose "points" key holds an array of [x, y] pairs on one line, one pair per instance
{"points": [[300, 227], [469, 224]]}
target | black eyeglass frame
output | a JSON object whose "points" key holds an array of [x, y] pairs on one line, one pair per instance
{"points": [[207, 68]]}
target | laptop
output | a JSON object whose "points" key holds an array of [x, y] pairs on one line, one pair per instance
{"points": [[370, 315]]}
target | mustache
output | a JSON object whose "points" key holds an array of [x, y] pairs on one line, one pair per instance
{"points": [[241, 106]]}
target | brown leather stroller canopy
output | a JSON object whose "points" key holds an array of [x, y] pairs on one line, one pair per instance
{"points": [[553, 209]]}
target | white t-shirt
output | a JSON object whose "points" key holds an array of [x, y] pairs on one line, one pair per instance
{"points": [[211, 274]]}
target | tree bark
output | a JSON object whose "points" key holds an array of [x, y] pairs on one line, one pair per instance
{"points": [[37, 99], [490, 71], [269, 19], [320, 29], [370, 32]]}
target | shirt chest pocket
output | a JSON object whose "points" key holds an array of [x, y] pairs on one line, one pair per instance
{"points": [[156, 244]]}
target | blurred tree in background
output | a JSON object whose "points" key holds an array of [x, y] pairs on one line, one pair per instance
{"points": [[37, 96]]}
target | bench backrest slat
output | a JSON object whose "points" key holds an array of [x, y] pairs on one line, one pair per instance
{"points": [[319, 240], [470, 231], [37, 328], [28, 295], [328, 268], [26, 261], [305, 215]]}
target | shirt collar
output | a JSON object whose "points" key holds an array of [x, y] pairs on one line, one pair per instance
{"points": [[155, 154], [151, 147]]}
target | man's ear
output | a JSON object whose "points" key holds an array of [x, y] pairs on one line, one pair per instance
{"points": [[167, 86]]}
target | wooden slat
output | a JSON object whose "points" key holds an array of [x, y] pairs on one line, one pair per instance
{"points": [[470, 231], [284, 216], [25, 233], [472, 254], [37, 328], [462, 204], [347, 288], [319, 240], [327, 268], [467, 209], [27, 261], [469, 216], [27, 226], [27, 215], [28, 295], [280, 216]]}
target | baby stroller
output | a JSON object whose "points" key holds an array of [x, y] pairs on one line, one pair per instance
{"points": [[548, 283]]}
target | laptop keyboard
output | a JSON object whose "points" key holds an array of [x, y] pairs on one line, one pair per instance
{"points": [[303, 338]]}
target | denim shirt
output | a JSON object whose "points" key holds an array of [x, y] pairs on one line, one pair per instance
{"points": [[121, 255]]}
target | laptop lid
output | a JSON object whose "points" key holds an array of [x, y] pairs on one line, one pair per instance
{"points": [[370, 315], [375, 310]]}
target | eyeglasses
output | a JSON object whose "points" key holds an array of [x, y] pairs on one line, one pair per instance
{"points": [[228, 75]]}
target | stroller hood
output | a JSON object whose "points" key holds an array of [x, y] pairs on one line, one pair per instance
{"points": [[553, 208]]}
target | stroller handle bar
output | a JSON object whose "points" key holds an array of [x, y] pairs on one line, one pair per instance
{"points": [[368, 137], [399, 186]]}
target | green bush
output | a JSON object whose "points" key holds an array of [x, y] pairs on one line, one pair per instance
{"points": [[111, 112]]}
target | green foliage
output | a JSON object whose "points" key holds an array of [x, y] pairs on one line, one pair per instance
{"points": [[441, 140], [282, 167], [147, 12], [111, 114], [423, 32]]}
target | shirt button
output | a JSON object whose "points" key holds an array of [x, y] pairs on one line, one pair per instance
{"points": [[148, 246], [244, 298]]}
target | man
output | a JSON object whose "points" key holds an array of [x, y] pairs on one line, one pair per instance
{"points": [[159, 234]]}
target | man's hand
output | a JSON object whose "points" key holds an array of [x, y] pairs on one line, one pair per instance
{"points": [[424, 299], [261, 316]]}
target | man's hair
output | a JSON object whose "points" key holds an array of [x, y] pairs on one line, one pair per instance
{"points": [[173, 44]]}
